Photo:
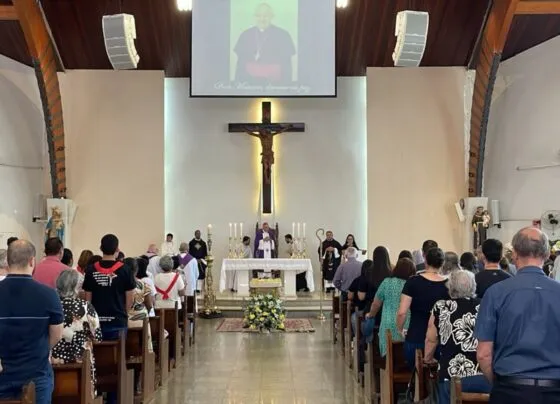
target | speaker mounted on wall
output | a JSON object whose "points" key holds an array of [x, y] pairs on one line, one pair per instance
{"points": [[411, 30], [119, 33]]}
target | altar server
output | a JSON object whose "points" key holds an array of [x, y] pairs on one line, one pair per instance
{"points": [[330, 260], [168, 247]]}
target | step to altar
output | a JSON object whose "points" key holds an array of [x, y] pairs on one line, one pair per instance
{"points": [[305, 302]]}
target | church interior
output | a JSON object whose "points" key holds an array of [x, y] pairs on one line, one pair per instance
{"points": [[393, 154]]}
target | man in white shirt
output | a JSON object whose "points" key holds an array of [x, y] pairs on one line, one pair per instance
{"points": [[168, 247]]}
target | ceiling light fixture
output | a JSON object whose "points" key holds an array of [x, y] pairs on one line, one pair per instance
{"points": [[184, 5], [341, 3]]}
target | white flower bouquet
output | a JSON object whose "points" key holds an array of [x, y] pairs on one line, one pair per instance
{"points": [[264, 313]]}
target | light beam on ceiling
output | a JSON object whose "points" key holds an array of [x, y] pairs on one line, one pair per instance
{"points": [[184, 5]]}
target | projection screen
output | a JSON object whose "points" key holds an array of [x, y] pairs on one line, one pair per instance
{"points": [[256, 48]]}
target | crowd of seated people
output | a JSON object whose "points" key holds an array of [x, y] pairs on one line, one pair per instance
{"points": [[72, 308], [489, 319]]}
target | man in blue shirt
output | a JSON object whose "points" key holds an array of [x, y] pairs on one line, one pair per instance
{"points": [[30, 325], [518, 327]]}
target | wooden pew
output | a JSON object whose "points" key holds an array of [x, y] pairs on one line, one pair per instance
{"points": [[348, 334], [191, 315], [161, 349], [27, 395], [458, 397], [342, 325], [424, 374], [183, 324], [396, 375], [141, 360], [171, 324], [356, 353], [374, 362], [335, 317], [72, 383], [112, 375]]}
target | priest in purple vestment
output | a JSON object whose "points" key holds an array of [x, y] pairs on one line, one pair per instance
{"points": [[262, 234]]}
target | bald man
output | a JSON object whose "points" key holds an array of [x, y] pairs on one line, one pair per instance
{"points": [[264, 51], [518, 327], [30, 325]]}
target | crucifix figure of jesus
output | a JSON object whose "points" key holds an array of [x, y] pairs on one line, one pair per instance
{"points": [[265, 132]]}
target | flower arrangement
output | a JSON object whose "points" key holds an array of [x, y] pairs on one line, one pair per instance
{"points": [[264, 313]]}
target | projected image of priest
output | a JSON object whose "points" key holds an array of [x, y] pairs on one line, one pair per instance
{"points": [[264, 51]]}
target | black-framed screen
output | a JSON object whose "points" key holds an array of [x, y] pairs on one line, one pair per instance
{"points": [[256, 48]]}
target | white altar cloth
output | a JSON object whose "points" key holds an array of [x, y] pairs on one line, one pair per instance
{"points": [[288, 265]]}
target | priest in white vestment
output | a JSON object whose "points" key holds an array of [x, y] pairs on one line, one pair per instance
{"points": [[168, 247], [188, 266]]}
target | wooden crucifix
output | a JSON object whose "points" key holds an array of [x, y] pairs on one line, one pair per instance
{"points": [[265, 131]]}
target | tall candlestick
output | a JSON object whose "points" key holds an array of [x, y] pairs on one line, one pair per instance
{"points": [[303, 229], [230, 230], [298, 229], [293, 229]]}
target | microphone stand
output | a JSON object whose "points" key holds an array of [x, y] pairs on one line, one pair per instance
{"points": [[320, 233]]}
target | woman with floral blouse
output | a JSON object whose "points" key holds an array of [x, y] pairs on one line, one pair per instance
{"points": [[81, 324]]}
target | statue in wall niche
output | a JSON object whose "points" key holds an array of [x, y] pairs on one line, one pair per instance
{"points": [[55, 225], [480, 224]]}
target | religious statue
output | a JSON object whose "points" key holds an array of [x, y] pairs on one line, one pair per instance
{"points": [[480, 223], [55, 225], [266, 137]]}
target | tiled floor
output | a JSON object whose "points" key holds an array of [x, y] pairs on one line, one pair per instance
{"points": [[237, 368]]}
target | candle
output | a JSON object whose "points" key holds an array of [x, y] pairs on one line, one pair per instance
{"points": [[293, 229], [303, 229], [230, 230], [298, 229], [235, 230], [209, 228], [240, 229]]}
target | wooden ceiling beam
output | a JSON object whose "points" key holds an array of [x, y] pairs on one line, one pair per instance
{"points": [[538, 7], [489, 56], [8, 13], [43, 55]]}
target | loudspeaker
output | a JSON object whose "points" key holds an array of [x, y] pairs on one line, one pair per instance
{"points": [[411, 30], [459, 210], [119, 33], [495, 212]]}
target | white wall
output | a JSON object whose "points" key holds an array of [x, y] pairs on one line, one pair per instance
{"points": [[22, 152], [524, 129], [114, 151], [416, 157], [212, 176]]}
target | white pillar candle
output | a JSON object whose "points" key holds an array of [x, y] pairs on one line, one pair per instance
{"points": [[298, 229], [235, 230], [209, 228], [230, 230], [303, 229], [241, 230], [293, 229]]}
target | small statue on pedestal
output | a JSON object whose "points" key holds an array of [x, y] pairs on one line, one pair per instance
{"points": [[55, 225], [480, 223]]}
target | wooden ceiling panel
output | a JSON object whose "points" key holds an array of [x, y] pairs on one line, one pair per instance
{"points": [[12, 42], [365, 33], [528, 31]]}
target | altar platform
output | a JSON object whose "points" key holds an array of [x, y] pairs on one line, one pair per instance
{"points": [[306, 302]]}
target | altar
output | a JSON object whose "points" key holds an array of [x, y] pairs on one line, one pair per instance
{"points": [[289, 266]]}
